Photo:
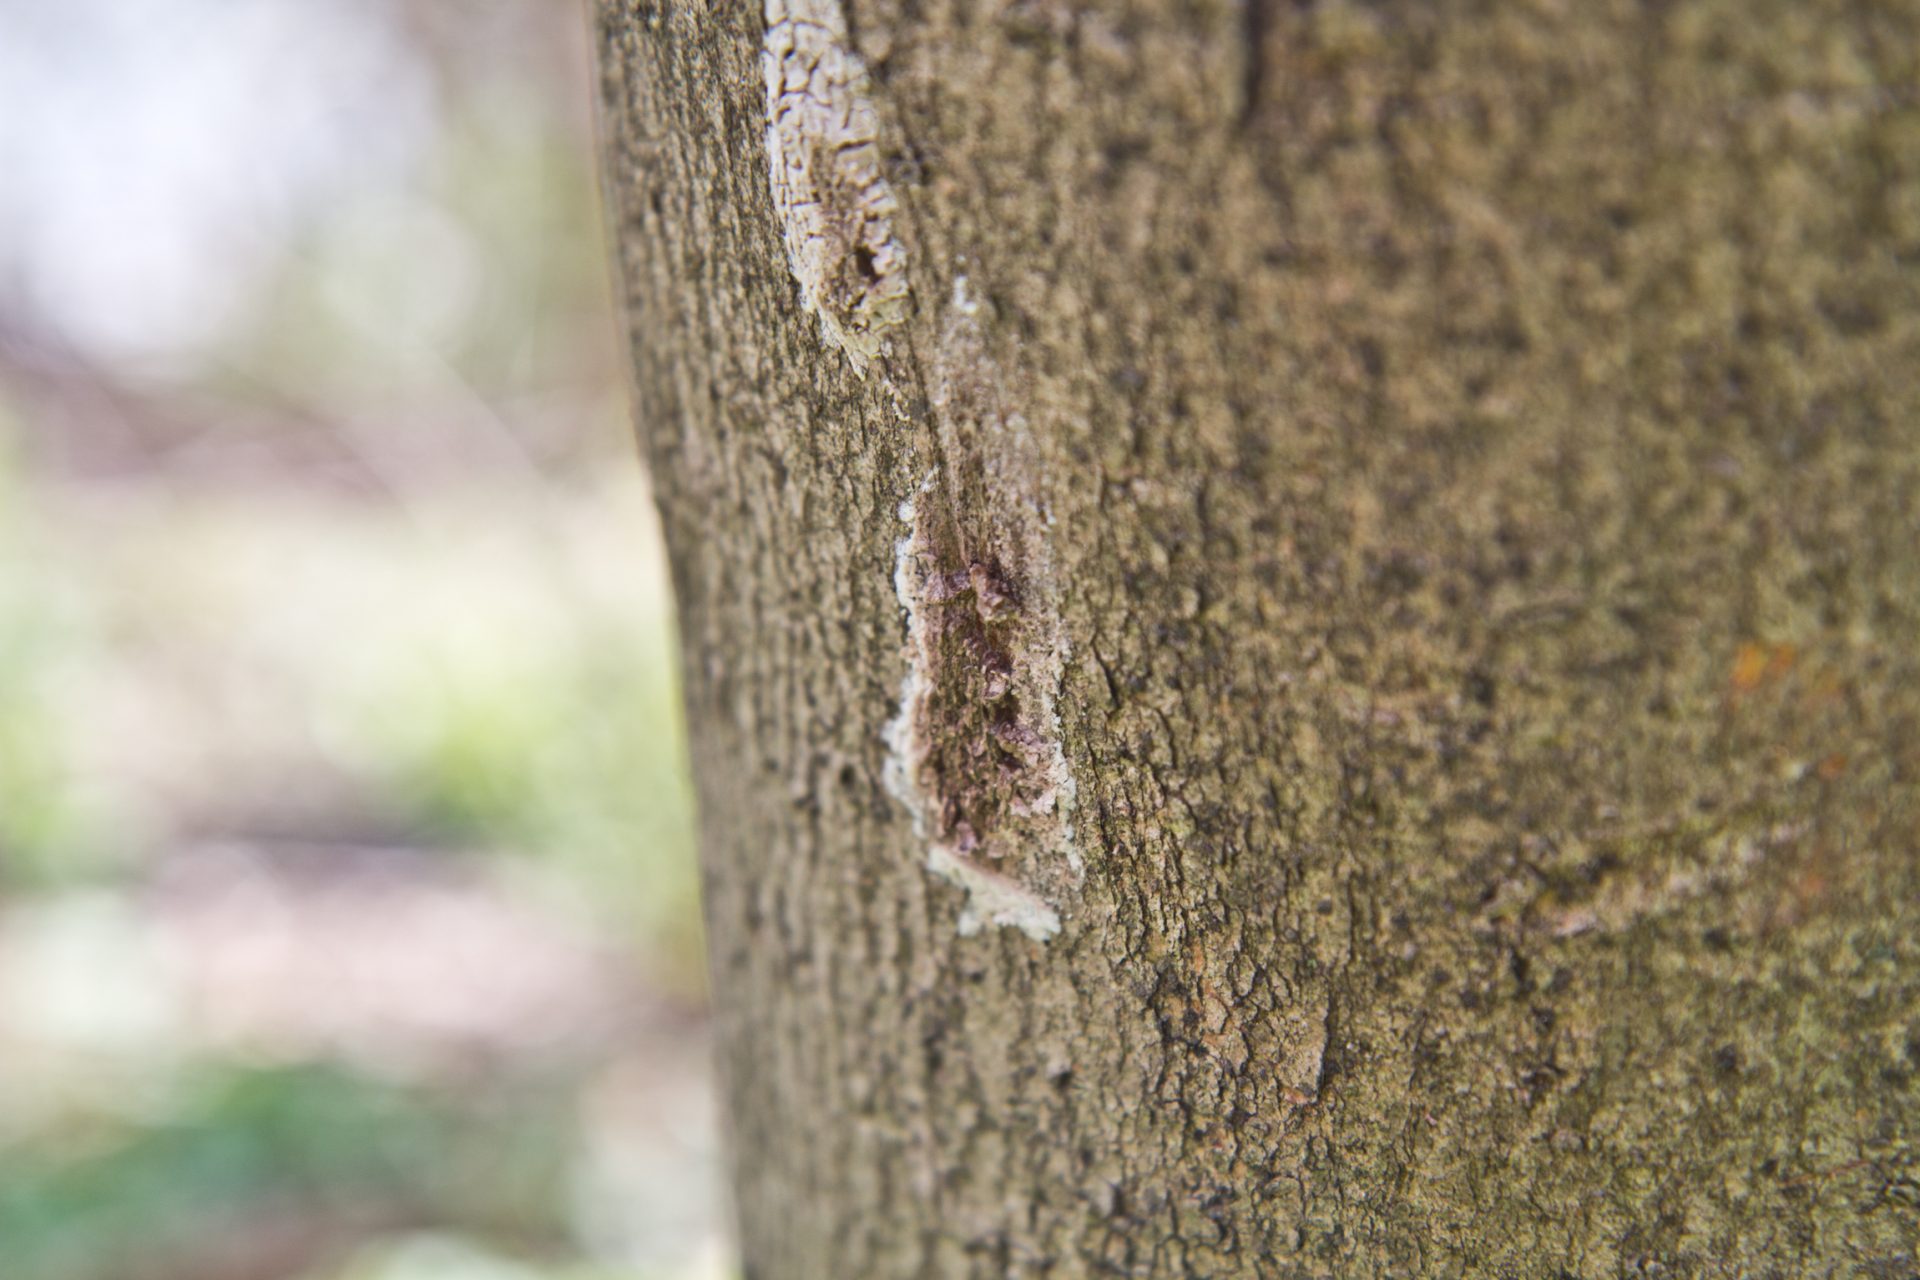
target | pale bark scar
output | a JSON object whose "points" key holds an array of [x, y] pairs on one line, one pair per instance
{"points": [[975, 751], [832, 199]]}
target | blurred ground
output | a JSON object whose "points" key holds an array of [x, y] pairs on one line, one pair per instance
{"points": [[347, 915]]}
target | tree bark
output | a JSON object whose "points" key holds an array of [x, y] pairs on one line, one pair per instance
{"points": [[1301, 624]]}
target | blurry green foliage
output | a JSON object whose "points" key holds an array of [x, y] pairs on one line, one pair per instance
{"points": [[240, 1149], [52, 826], [433, 1257], [561, 744]]}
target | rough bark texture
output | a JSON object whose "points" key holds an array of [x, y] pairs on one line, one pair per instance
{"points": [[1376, 546]]}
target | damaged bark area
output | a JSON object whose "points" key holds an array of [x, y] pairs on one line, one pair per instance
{"points": [[975, 749], [977, 763]]}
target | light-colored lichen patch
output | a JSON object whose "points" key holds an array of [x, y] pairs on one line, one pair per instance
{"points": [[830, 194]]}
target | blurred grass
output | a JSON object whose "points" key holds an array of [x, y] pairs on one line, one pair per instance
{"points": [[237, 1148]]}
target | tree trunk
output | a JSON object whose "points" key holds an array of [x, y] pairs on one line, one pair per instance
{"points": [[1301, 624]]}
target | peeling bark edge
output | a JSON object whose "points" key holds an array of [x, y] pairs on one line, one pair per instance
{"points": [[834, 205], [993, 898]]}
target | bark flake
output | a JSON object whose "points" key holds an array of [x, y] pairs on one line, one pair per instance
{"points": [[832, 199]]}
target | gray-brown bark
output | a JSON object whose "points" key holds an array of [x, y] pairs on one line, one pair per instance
{"points": [[1300, 625]]}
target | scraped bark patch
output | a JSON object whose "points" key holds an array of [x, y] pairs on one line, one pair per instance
{"points": [[834, 204], [976, 755]]}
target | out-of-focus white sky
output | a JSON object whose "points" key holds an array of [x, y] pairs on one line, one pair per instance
{"points": [[158, 156]]}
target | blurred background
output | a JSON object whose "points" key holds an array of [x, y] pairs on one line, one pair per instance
{"points": [[347, 915]]}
